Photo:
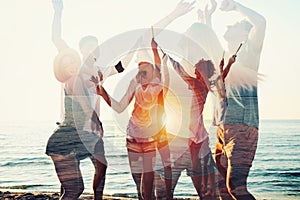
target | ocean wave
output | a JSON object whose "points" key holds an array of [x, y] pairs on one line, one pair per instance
{"points": [[116, 156], [291, 174], [23, 187], [117, 173], [125, 195], [25, 163], [274, 174]]}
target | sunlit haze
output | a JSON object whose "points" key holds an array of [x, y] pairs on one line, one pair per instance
{"points": [[31, 92]]}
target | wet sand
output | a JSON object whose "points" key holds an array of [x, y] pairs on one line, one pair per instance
{"points": [[7, 195]]}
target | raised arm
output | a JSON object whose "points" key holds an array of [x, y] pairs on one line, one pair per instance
{"points": [[166, 75], [221, 65], [163, 69], [181, 9], [56, 25], [257, 33], [206, 15], [118, 106], [157, 59], [180, 70], [227, 68]]}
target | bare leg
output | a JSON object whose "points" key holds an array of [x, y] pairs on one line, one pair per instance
{"points": [[174, 183], [221, 164], [204, 184], [241, 148], [212, 190], [99, 178], [137, 177], [212, 184], [218, 156], [209, 175], [136, 171], [168, 182], [148, 173], [160, 186], [148, 179], [196, 166], [197, 184], [204, 175], [69, 175], [142, 163], [164, 152]]}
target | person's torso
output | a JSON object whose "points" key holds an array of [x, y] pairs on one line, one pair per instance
{"points": [[242, 107], [74, 115], [197, 128]]}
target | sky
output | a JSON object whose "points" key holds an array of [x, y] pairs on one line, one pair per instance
{"points": [[31, 92]]}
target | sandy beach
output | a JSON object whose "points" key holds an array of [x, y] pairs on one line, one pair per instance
{"points": [[46, 195], [7, 195]]}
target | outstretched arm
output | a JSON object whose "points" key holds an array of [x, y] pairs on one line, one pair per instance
{"points": [[206, 15], [56, 25], [118, 106], [227, 68], [221, 65], [157, 59], [166, 75], [163, 69], [180, 70], [257, 33], [181, 9]]}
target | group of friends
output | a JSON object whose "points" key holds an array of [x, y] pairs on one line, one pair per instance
{"points": [[80, 133]]}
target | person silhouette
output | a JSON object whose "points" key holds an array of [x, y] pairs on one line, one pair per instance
{"points": [[80, 133], [237, 135]]}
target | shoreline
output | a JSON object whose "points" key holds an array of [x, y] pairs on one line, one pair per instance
{"points": [[42, 195]]}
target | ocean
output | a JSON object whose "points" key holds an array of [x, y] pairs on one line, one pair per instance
{"points": [[25, 167]]}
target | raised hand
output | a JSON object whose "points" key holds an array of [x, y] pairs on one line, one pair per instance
{"points": [[97, 79], [94, 79], [153, 44], [58, 5], [182, 8], [227, 5], [232, 59], [205, 16], [227, 69]]}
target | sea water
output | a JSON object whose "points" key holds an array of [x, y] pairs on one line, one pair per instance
{"points": [[275, 173]]}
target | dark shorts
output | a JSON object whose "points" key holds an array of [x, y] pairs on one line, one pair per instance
{"points": [[236, 146], [66, 140], [140, 147], [141, 155]]}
